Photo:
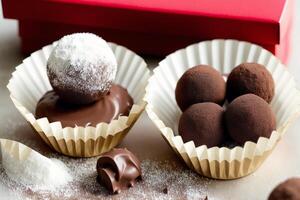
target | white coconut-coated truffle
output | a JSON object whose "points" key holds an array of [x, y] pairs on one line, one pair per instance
{"points": [[81, 68]]}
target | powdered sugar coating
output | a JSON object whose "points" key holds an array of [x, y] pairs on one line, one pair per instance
{"points": [[35, 170], [181, 183], [83, 63]]}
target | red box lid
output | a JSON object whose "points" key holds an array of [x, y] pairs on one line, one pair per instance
{"points": [[34, 36], [259, 21]]}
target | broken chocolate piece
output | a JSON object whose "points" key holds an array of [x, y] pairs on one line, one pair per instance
{"points": [[118, 170], [165, 190]]}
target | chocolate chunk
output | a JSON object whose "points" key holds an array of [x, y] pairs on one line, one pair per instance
{"points": [[117, 102], [200, 84], [165, 190], [118, 170], [249, 117], [202, 123], [288, 190], [250, 78]]}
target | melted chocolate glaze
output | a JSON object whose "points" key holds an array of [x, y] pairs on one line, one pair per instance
{"points": [[118, 170], [117, 102]]}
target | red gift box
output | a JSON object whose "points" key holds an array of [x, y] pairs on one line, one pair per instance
{"points": [[153, 26]]}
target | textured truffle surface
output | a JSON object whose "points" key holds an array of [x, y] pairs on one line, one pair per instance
{"points": [[203, 123], [118, 169], [200, 84], [250, 78], [81, 68], [288, 190], [249, 117]]}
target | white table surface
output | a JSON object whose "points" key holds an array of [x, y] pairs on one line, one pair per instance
{"points": [[284, 162]]}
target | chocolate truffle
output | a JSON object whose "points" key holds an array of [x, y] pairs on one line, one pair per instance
{"points": [[288, 190], [200, 84], [117, 102], [118, 170], [249, 117], [202, 123], [81, 68], [250, 78]]}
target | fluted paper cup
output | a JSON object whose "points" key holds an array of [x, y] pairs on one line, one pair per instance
{"points": [[223, 55], [29, 83]]}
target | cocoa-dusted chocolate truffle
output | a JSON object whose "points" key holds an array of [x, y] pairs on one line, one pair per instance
{"points": [[200, 84], [250, 78], [81, 68], [288, 190], [249, 117], [118, 170], [202, 123]]}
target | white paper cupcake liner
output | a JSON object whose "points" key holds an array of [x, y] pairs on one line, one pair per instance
{"points": [[224, 55], [29, 83]]}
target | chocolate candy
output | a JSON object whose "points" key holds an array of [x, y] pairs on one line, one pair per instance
{"points": [[288, 190], [118, 170], [117, 102], [81, 68], [249, 117], [202, 123], [200, 84], [250, 78]]}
